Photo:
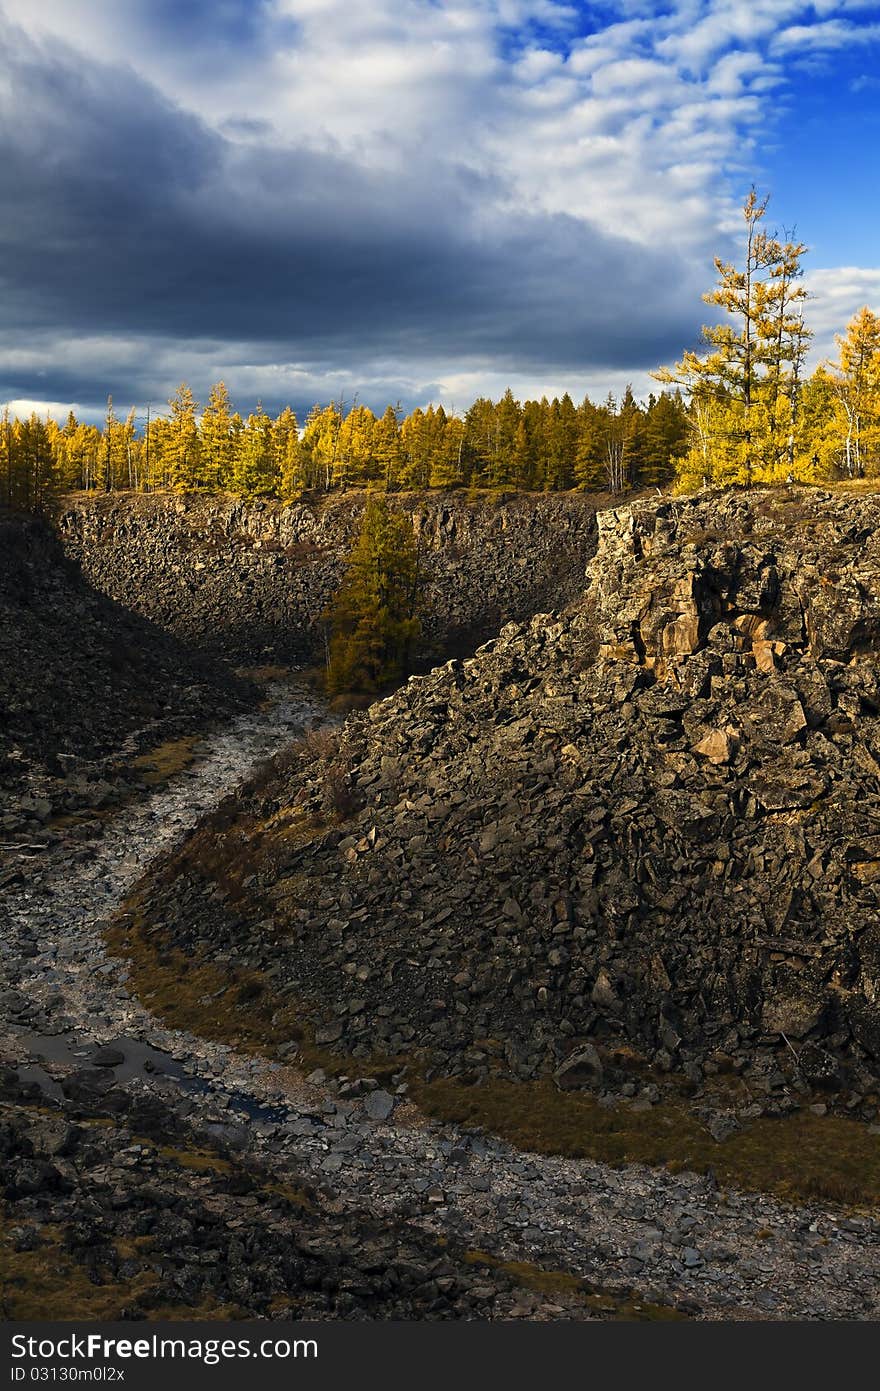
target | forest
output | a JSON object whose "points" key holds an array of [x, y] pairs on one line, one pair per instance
{"points": [[742, 411], [538, 445]]}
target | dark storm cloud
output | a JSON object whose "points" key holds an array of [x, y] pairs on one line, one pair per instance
{"points": [[124, 215]]}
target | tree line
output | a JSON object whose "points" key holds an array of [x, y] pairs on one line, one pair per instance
{"points": [[504, 444], [742, 411]]}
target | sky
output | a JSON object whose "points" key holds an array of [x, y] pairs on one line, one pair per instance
{"points": [[412, 200]]}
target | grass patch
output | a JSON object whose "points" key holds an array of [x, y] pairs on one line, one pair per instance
{"points": [[799, 1158], [47, 1283], [233, 1006], [204, 1161], [198, 1161], [157, 766], [562, 1284], [236, 846], [230, 1006]]}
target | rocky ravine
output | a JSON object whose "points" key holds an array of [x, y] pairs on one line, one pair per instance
{"points": [[149, 1173], [653, 820], [251, 580], [119, 639], [84, 685]]}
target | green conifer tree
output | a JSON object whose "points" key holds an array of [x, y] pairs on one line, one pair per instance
{"points": [[374, 617]]}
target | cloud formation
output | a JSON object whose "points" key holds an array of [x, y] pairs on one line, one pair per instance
{"points": [[407, 199]]}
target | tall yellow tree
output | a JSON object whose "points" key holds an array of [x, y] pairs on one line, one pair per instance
{"points": [[744, 390], [256, 465], [288, 455], [855, 379], [182, 455], [215, 439]]}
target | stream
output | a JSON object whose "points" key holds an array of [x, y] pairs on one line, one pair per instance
{"points": [[64, 1006]]}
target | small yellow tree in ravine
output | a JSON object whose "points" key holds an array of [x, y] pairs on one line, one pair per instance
{"points": [[374, 617]]}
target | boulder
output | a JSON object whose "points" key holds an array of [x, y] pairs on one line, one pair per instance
{"points": [[581, 1069]]}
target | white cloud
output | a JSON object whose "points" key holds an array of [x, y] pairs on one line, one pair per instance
{"points": [[865, 82], [55, 410], [837, 294], [832, 34], [411, 87]]}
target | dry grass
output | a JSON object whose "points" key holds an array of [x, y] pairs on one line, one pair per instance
{"points": [[703, 538], [232, 847], [205, 1161], [560, 1284], [157, 766], [48, 1283], [225, 1005], [230, 1006], [799, 1158], [153, 769], [853, 485]]}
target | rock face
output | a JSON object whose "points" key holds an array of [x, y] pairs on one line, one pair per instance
{"points": [[80, 676], [251, 580], [653, 820]]}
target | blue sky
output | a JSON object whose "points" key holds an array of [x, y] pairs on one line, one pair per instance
{"points": [[412, 200]]}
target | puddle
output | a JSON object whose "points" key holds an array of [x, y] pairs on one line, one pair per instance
{"points": [[139, 1060], [31, 1073], [48, 1048], [72, 1050], [270, 1115]]}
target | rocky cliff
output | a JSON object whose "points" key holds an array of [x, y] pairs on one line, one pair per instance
{"points": [[81, 677], [251, 580], [651, 822]]}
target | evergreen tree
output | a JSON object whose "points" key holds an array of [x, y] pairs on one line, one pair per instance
{"points": [[215, 439], [181, 454], [856, 382], [521, 456], [745, 390], [447, 466], [320, 443], [8, 469], [388, 449], [111, 427], [257, 472], [288, 455], [355, 462], [373, 618], [32, 464], [507, 415], [823, 429], [479, 439], [665, 439], [589, 461], [535, 417], [561, 437], [417, 444]]}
